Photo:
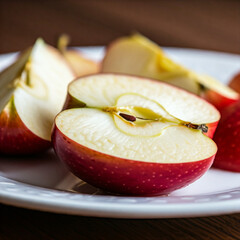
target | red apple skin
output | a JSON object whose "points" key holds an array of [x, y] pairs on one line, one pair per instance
{"points": [[211, 129], [118, 175], [228, 140], [16, 138], [235, 83], [217, 100]]}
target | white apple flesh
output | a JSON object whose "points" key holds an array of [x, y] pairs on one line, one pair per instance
{"points": [[137, 55], [132, 135], [33, 91]]}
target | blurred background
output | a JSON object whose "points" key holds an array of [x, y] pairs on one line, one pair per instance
{"points": [[213, 24]]}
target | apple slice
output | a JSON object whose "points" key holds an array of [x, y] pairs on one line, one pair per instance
{"points": [[133, 135], [227, 139], [79, 64], [235, 83], [139, 56], [32, 92]]}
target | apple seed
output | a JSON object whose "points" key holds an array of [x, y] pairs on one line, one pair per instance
{"points": [[128, 117]]}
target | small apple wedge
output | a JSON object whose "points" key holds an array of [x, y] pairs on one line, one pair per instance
{"points": [[79, 64], [235, 83], [132, 135], [227, 139], [32, 92], [137, 55]]}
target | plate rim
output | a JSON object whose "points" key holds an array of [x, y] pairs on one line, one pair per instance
{"points": [[104, 209], [74, 206]]}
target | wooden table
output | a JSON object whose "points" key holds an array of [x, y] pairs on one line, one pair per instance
{"points": [[213, 25], [24, 224]]}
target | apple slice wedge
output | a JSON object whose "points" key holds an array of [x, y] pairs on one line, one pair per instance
{"points": [[137, 55], [235, 83], [227, 139], [79, 63], [132, 135], [32, 92]]}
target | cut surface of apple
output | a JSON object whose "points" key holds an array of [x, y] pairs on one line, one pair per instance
{"points": [[33, 91], [79, 64], [139, 56], [133, 135]]}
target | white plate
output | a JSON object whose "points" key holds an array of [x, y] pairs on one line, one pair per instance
{"points": [[43, 183]]}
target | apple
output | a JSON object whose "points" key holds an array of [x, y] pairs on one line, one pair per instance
{"points": [[235, 83], [32, 92], [79, 63], [139, 56], [227, 139], [132, 135]]}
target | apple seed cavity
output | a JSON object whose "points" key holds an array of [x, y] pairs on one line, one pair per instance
{"points": [[129, 114]]}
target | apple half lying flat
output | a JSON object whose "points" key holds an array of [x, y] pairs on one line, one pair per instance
{"points": [[139, 56], [32, 92], [133, 135]]}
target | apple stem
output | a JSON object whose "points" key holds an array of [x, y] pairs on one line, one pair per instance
{"points": [[63, 42], [27, 69]]}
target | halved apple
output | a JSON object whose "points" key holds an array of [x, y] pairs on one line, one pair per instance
{"points": [[79, 63], [133, 135], [32, 92], [139, 56]]}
